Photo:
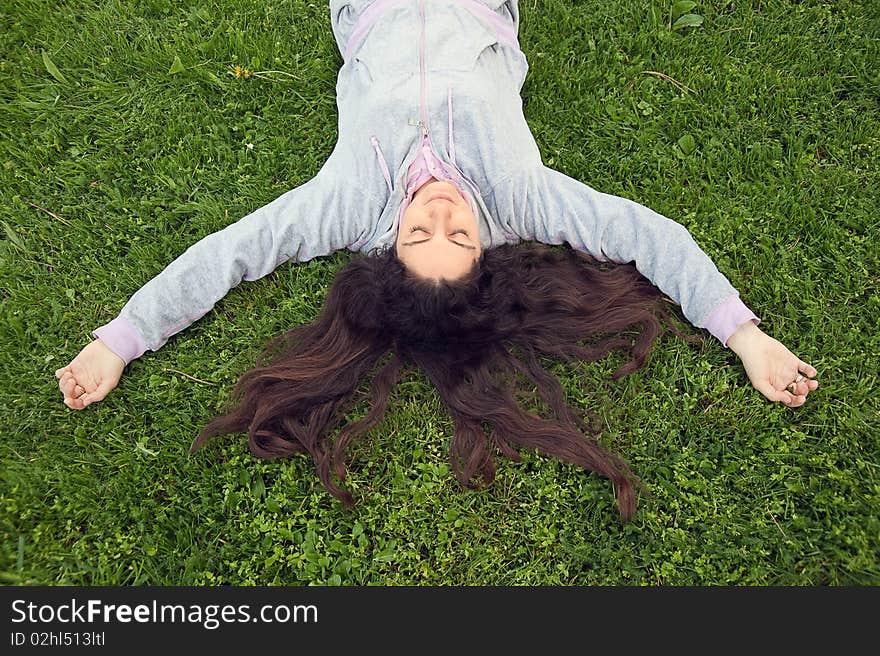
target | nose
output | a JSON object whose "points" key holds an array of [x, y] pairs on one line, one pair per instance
{"points": [[440, 211]]}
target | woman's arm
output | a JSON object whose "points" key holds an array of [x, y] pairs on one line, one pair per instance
{"points": [[551, 207], [313, 219]]}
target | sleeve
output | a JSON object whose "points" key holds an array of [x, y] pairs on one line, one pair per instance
{"points": [[316, 218], [545, 205]]}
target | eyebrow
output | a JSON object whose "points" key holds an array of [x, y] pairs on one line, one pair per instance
{"points": [[422, 241]]}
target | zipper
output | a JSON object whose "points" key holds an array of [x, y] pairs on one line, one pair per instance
{"points": [[423, 91], [449, 115], [382, 163], [423, 107], [422, 73]]}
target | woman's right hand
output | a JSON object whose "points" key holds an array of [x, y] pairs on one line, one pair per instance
{"points": [[773, 370], [90, 376]]}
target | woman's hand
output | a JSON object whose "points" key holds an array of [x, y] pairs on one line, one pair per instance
{"points": [[774, 371], [90, 376]]}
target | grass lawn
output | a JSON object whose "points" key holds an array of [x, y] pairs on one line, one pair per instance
{"points": [[125, 139]]}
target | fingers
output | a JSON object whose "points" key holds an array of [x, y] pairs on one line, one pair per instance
{"points": [[797, 401], [782, 396], [74, 404], [78, 402], [67, 384], [807, 369], [803, 383], [799, 387], [785, 396], [791, 399], [805, 386], [75, 395], [70, 387], [98, 395]]}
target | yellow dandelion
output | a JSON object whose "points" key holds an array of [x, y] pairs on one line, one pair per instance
{"points": [[237, 70], [247, 73]]}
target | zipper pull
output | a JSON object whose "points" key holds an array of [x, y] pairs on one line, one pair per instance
{"points": [[418, 124]]}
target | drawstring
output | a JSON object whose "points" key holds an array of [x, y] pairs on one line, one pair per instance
{"points": [[449, 113], [382, 163]]}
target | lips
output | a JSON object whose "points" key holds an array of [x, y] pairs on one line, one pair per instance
{"points": [[441, 196]]}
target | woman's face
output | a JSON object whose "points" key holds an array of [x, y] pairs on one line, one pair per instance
{"points": [[438, 235]]}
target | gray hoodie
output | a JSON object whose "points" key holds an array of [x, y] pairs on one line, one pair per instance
{"points": [[451, 70]]}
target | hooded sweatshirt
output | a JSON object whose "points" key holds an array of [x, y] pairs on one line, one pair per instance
{"points": [[428, 88]]}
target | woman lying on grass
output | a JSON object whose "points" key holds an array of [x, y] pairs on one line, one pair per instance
{"points": [[436, 178]]}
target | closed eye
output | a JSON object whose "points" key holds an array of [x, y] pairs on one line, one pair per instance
{"points": [[460, 231], [423, 241]]}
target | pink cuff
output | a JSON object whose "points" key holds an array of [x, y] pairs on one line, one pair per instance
{"points": [[122, 338], [728, 317]]}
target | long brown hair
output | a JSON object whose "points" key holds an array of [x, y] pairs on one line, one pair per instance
{"points": [[477, 339]]}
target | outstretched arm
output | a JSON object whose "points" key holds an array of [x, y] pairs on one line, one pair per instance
{"points": [[313, 219], [551, 207]]}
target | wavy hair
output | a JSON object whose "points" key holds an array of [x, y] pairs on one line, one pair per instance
{"points": [[478, 339]]}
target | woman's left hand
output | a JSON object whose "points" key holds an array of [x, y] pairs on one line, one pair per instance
{"points": [[774, 371]]}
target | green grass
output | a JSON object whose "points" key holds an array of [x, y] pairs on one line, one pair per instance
{"points": [[108, 175]]}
